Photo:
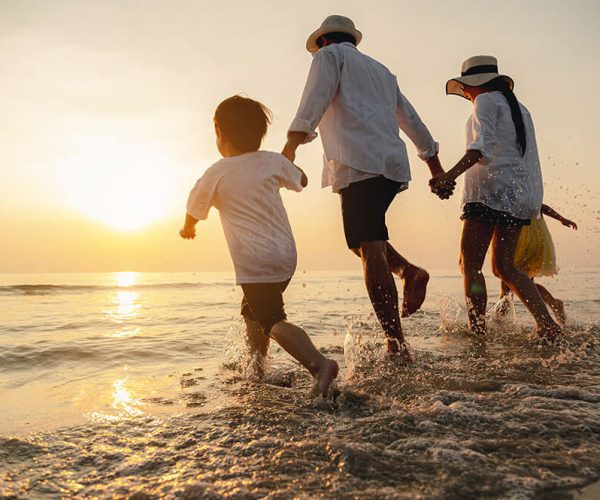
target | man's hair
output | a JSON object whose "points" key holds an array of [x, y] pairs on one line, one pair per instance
{"points": [[335, 37], [243, 122]]}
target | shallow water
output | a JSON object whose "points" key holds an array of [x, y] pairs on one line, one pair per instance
{"points": [[116, 384]]}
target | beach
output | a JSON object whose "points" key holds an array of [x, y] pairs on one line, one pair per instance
{"points": [[121, 384]]}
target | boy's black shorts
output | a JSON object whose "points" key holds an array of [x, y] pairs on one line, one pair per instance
{"points": [[490, 215], [364, 205], [263, 302]]}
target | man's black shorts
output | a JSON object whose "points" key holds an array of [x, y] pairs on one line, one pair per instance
{"points": [[490, 215], [263, 302], [364, 205]]}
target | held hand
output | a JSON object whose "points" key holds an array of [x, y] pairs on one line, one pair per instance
{"points": [[289, 153], [568, 223], [187, 233], [442, 186]]}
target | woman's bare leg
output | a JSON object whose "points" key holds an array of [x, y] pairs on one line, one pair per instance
{"points": [[474, 243], [504, 243]]}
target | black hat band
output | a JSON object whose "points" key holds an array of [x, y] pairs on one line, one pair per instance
{"points": [[477, 70]]}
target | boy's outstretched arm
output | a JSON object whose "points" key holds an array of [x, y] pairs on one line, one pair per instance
{"points": [[188, 231], [304, 179], [550, 212]]}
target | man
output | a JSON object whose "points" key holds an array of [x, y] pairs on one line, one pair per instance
{"points": [[357, 105]]}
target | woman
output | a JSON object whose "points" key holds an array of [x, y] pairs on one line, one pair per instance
{"points": [[503, 189]]}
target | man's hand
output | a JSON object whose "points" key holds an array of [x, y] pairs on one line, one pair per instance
{"points": [[568, 223], [187, 233], [442, 186], [289, 153]]}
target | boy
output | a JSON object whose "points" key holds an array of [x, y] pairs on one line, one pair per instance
{"points": [[244, 187]]}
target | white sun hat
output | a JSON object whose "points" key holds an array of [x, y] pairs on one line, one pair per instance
{"points": [[476, 71], [333, 24]]}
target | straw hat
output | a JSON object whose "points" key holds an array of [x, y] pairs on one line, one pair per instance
{"points": [[476, 71], [333, 24]]}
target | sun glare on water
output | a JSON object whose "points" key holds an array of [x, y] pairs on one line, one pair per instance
{"points": [[125, 186]]}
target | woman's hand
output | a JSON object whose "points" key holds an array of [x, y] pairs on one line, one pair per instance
{"points": [[442, 186]]}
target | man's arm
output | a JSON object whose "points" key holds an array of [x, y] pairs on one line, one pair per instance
{"points": [[321, 86], [293, 141], [188, 231]]}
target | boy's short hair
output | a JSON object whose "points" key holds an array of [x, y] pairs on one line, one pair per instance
{"points": [[243, 122]]}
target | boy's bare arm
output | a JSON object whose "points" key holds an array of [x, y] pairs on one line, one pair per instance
{"points": [[188, 231], [304, 180], [550, 212]]}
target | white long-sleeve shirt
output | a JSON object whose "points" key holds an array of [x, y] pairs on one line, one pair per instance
{"points": [[357, 106], [503, 179]]}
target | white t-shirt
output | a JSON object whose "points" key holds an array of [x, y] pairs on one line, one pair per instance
{"points": [[245, 190], [357, 105], [503, 179]]}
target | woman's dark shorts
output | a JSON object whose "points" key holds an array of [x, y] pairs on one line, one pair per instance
{"points": [[482, 212], [364, 205], [263, 302]]}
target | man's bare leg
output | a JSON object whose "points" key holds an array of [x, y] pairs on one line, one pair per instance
{"points": [[258, 347], [384, 295], [297, 343], [414, 279]]}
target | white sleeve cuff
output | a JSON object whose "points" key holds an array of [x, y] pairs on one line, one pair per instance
{"points": [[300, 125], [429, 153]]}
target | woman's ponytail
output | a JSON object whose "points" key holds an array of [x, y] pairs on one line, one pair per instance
{"points": [[501, 85]]}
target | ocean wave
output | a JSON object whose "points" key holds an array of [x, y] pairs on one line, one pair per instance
{"points": [[46, 289]]}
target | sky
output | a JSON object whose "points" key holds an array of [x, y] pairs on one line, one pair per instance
{"points": [[106, 113]]}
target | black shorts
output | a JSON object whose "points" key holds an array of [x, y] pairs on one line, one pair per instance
{"points": [[364, 205], [263, 302], [494, 217]]}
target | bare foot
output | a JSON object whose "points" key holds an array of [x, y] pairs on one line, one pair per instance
{"points": [[415, 288], [558, 307], [549, 332], [325, 376], [399, 352]]}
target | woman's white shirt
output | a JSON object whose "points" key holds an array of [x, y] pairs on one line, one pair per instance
{"points": [[503, 179]]}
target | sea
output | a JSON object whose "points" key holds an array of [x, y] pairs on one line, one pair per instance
{"points": [[139, 385]]}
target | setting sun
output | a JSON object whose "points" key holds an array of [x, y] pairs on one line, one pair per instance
{"points": [[126, 186]]}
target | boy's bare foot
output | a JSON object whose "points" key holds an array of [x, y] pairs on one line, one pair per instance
{"points": [[324, 377], [415, 288], [558, 307]]}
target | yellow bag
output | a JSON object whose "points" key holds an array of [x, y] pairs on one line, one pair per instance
{"points": [[535, 254]]}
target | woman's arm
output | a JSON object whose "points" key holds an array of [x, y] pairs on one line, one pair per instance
{"points": [[442, 183]]}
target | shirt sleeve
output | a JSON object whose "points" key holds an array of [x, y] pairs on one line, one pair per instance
{"points": [[483, 127], [290, 176], [202, 195], [410, 123], [321, 86]]}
